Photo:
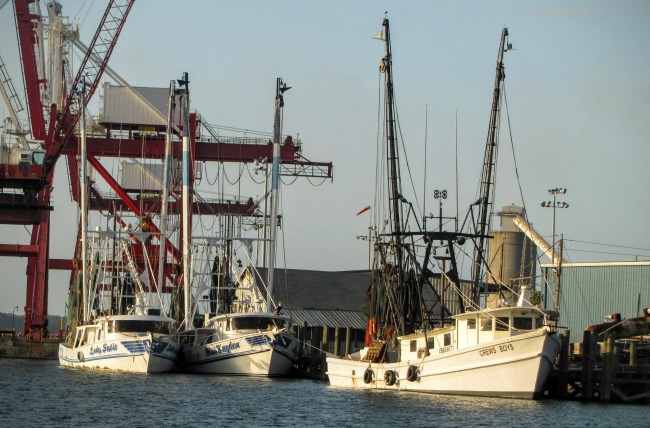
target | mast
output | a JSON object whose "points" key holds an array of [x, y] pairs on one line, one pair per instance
{"points": [[162, 254], [280, 88], [186, 196], [489, 170], [85, 293], [394, 189], [400, 289]]}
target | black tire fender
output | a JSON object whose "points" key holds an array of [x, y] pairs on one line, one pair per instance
{"points": [[390, 377], [412, 374], [368, 376]]}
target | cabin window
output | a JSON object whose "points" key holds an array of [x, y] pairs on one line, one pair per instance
{"points": [[431, 342], [186, 339], [501, 323], [447, 339], [137, 326], [486, 324], [38, 158], [471, 324], [206, 340], [78, 340], [256, 323], [414, 346], [522, 323]]}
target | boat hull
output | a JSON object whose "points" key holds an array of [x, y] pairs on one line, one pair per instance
{"points": [[515, 367], [260, 354], [138, 354]]}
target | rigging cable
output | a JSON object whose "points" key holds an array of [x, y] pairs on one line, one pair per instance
{"points": [[207, 177], [512, 145], [406, 160], [379, 166], [608, 245], [294, 180], [225, 176], [284, 252], [311, 182]]}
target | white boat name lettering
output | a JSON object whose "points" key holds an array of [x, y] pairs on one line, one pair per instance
{"points": [[219, 349]]}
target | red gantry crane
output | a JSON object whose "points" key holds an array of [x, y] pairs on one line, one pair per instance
{"points": [[33, 172], [26, 175]]}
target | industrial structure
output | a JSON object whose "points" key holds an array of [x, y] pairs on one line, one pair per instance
{"points": [[29, 155], [512, 259], [590, 293], [585, 293]]}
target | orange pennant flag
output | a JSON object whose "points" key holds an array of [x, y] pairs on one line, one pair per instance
{"points": [[364, 210]]}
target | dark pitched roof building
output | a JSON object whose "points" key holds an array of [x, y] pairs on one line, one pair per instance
{"points": [[344, 290]]}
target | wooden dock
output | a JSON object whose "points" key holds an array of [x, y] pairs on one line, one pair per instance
{"points": [[12, 346], [609, 371]]}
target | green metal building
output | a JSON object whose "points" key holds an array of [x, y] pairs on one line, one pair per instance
{"points": [[589, 292]]}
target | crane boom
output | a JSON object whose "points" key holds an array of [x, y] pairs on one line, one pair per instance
{"points": [[12, 101], [27, 21], [101, 47]]}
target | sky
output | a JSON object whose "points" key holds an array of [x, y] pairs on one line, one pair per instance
{"points": [[577, 91]]}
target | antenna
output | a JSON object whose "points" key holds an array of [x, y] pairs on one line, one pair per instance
{"points": [[457, 191], [424, 199]]}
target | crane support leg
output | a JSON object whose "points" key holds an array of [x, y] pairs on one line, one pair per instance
{"points": [[35, 325]]}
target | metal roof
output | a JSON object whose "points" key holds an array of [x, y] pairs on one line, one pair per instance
{"points": [[601, 264], [329, 318]]}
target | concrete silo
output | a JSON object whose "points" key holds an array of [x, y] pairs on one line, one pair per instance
{"points": [[511, 259]]}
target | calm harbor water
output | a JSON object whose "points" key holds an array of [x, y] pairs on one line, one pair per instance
{"points": [[42, 394]]}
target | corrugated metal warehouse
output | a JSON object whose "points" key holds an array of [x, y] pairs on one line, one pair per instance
{"points": [[591, 291]]}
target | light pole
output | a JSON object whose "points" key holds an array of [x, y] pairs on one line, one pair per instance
{"points": [[13, 314], [554, 204]]}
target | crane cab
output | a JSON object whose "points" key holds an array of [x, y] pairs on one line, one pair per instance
{"points": [[18, 164]]}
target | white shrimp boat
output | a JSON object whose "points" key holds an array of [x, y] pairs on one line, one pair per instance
{"points": [[415, 342], [237, 335], [243, 333], [242, 344], [129, 343], [131, 337], [501, 352]]}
